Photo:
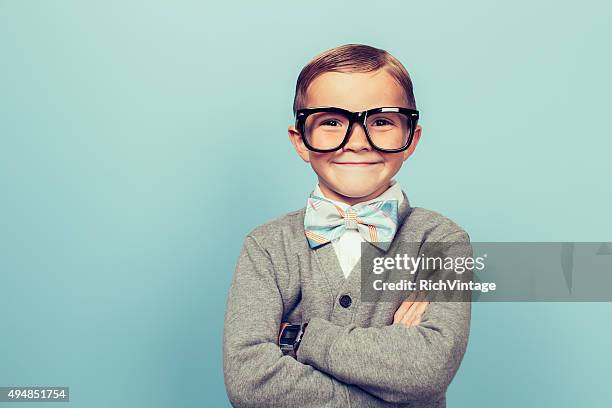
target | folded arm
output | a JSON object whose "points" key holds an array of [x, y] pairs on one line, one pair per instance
{"points": [[256, 373], [395, 363]]}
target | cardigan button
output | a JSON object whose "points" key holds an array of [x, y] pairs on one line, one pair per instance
{"points": [[345, 301]]}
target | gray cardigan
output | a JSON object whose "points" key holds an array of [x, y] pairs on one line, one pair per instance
{"points": [[349, 356]]}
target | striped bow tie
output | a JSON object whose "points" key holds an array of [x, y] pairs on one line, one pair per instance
{"points": [[325, 221]]}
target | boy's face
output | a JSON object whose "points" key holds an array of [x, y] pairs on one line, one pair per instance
{"points": [[356, 172]]}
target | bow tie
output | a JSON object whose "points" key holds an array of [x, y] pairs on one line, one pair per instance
{"points": [[325, 221]]}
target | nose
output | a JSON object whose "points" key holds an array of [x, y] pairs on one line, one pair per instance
{"points": [[357, 139]]}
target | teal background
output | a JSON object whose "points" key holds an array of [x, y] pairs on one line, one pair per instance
{"points": [[140, 141]]}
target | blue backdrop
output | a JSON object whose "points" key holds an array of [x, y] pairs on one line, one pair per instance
{"points": [[140, 142]]}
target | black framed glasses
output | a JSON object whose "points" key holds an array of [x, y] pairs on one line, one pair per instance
{"points": [[327, 128]]}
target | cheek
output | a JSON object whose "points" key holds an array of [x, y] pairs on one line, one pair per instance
{"points": [[320, 160], [393, 160]]}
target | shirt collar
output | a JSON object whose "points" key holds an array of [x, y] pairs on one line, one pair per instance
{"points": [[394, 192]]}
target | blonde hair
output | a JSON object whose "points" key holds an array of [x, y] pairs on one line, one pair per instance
{"points": [[352, 58]]}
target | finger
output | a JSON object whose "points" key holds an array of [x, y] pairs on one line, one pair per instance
{"points": [[422, 297], [418, 320], [415, 309], [403, 308], [418, 314], [412, 315], [401, 311], [409, 313]]}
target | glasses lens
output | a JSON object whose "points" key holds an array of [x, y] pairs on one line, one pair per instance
{"points": [[325, 130], [389, 130]]}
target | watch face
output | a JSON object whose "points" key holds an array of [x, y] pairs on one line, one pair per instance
{"points": [[289, 334]]}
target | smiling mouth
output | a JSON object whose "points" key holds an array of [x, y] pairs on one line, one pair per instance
{"points": [[357, 163]]}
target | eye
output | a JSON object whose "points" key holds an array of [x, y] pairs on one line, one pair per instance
{"points": [[331, 122], [381, 122]]}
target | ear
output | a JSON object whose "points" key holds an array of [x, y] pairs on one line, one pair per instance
{"points": [[296, 140], [415, 140]]}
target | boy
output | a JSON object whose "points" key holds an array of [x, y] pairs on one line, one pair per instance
{"points": [[300, 272]]}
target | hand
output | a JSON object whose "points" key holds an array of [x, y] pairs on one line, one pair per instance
{"points": [[411, 310], [282, 326]]}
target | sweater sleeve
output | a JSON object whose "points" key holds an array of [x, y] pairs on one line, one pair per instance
{"points": [[256, 373], [395, 363]]}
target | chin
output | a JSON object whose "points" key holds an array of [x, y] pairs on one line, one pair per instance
{"points": [[356, 190]]}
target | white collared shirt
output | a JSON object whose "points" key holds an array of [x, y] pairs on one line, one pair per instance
{"points": [[348, 245]]}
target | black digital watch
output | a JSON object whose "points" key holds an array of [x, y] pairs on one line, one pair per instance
{"points": [[290, 337]]}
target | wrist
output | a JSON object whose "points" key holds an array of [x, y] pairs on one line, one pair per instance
{"points": [[299, 339], [290, 337]]}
